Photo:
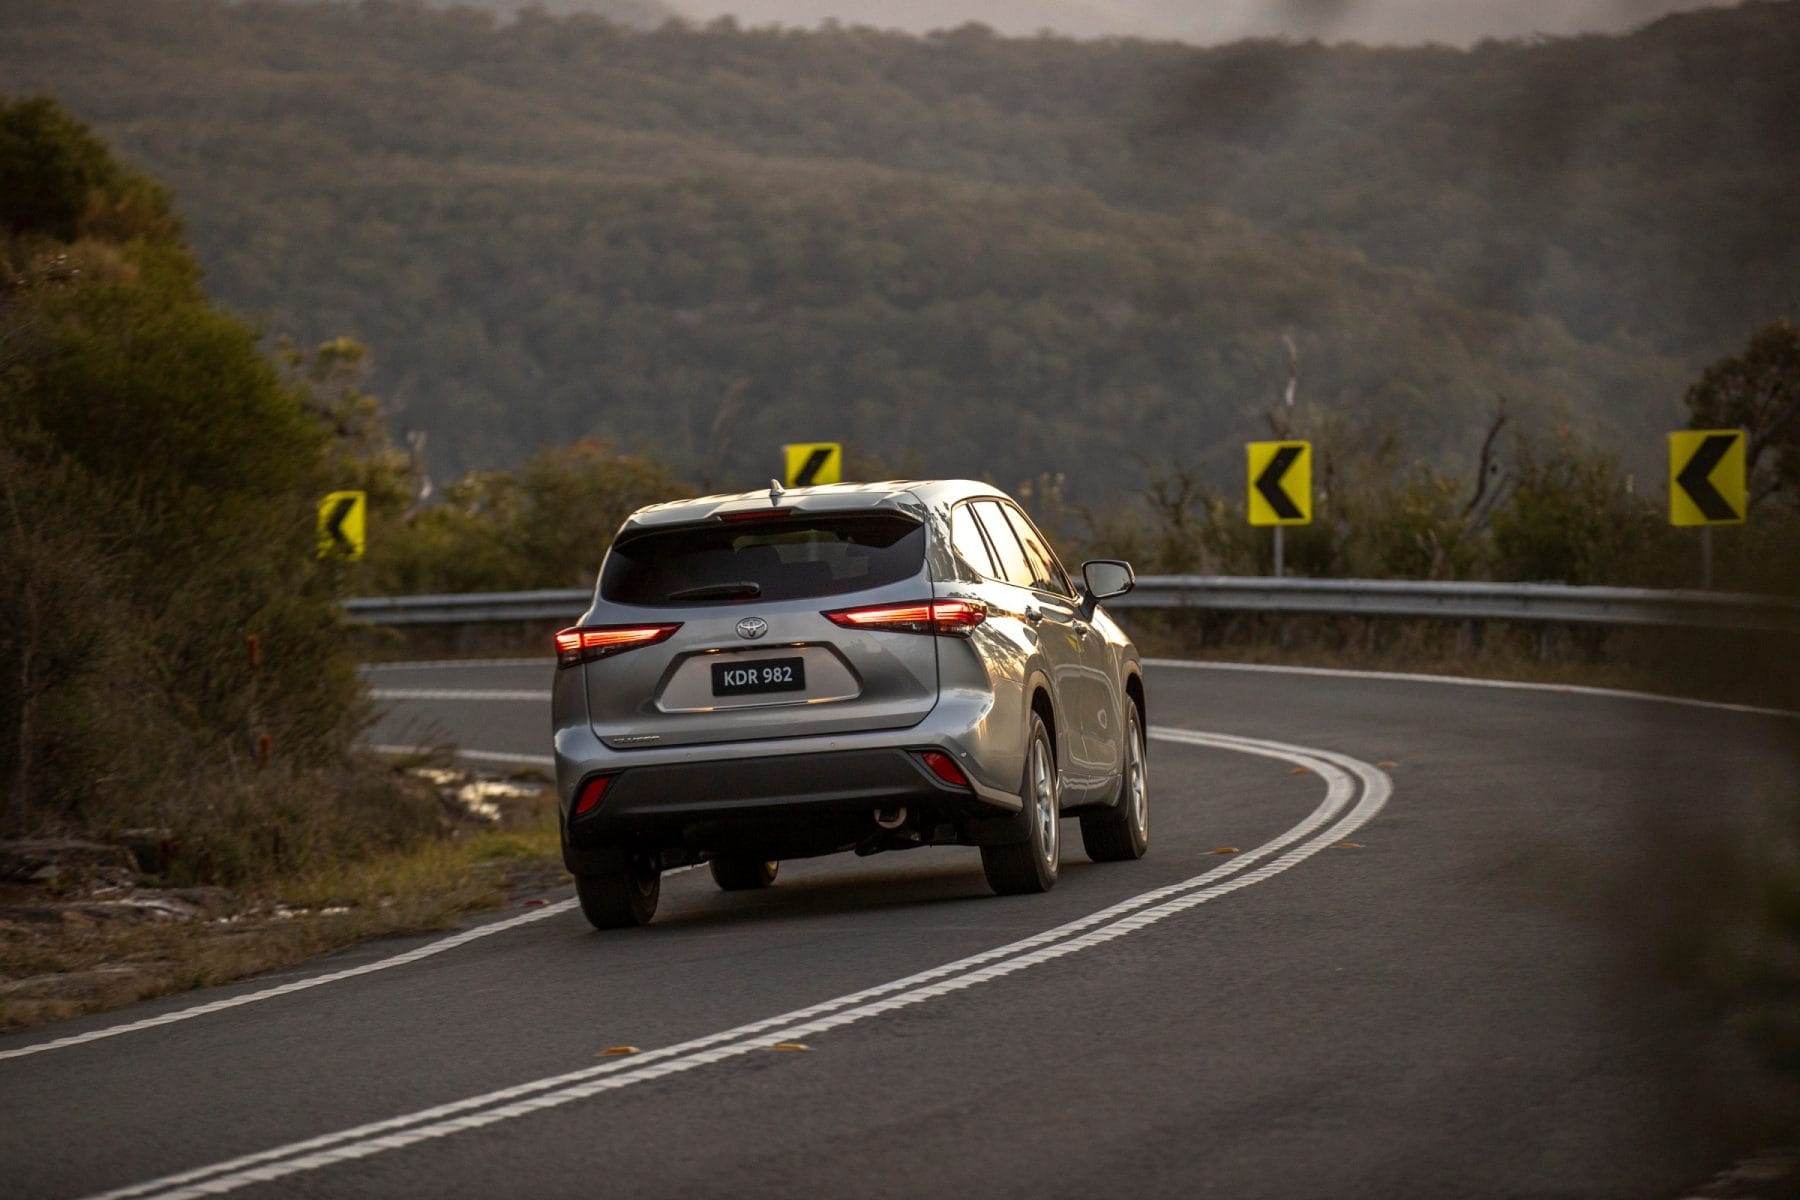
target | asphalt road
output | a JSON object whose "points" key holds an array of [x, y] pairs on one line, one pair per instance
{"points": [[1407, 980]]}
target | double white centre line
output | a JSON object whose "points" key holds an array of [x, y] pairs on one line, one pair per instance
{"points": [[1341, 812]]}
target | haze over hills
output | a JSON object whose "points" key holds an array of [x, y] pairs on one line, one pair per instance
{"points": [[1373, 22], [961, 254], [638, 14]]}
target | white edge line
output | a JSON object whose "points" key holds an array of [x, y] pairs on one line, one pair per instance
{"points": [[828, 1015], [499, 756], [299, 985], [451, 663], [539, 695], [1469, 681]]}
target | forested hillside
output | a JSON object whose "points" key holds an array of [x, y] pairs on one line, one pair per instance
{"points": [[959, 253]]}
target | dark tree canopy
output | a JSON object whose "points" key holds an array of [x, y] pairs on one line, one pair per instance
{"points": [[1758, 390], [158, 480], [977, 253]]}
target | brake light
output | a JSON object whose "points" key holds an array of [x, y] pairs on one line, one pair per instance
{"points": [[947, 618], [588, 643], [591, 792], [756, 514], [945, 768]]}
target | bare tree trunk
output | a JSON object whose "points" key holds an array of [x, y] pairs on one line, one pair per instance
{"points": [[730, 401]]}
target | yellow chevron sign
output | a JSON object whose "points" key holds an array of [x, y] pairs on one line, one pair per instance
{"points": [[343, 525], [1706, 477], [813, 462], [1280, 483]]}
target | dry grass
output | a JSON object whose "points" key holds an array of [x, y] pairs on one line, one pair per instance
{"points": [[73, 963]]}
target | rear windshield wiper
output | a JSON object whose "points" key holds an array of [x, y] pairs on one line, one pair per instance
{"points": [[744, 590]]}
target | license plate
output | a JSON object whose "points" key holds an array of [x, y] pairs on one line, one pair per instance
{"points": [[763, 675]]}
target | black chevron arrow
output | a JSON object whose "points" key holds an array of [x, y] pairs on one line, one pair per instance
{"points": [[334, 526], [1695, 482], [1269, 484], [809, 471]]}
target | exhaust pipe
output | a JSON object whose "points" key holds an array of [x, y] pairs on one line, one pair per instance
{"points": [[890, 818]]}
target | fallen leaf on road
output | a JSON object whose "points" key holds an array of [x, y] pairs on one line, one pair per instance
{"points": [[788, 1046], [616, 1051], [1225, 850], [1386, 763], [539, 902], [1301, 771], [1348, 846]]}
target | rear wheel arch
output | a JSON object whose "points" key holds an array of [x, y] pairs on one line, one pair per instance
{"points": [[1134, 689], [1043, 706]]}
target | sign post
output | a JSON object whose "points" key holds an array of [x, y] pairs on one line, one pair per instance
{"points": [[1280, 492], [1707, 485], [808, 463]]}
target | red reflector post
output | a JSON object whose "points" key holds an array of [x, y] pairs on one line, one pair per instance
{"points": [[591, 792], [945, 768]]}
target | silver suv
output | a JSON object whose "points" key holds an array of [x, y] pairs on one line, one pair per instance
{"points": [[865, 667]]}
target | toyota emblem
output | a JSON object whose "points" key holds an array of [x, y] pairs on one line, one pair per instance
{"points": [[752, 628]]}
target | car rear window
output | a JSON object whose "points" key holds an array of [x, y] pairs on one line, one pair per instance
{"points": [[785, 558]]}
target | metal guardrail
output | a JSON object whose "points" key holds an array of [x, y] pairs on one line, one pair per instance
{"points": [[1547, 602], [551, 604]]}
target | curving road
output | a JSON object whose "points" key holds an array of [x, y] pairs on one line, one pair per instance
{"points": [[1396, 984]]}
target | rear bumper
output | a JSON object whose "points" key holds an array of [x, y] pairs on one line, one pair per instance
{"points": [[779, 806]]}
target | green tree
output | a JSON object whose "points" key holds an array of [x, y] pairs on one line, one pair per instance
{"points": [[59, 181], [1758, 390], [158, 481], [546, 525], [1573, 516]]}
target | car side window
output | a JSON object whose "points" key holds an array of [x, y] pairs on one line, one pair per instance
{"points": [[966, 539], [1047, 574], [1014, 566]]}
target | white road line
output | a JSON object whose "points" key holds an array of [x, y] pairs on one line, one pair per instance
{"points": [[299, 985], [1570, 689], [438, 664], [499, 756], [1341, 774], [540, 695]]}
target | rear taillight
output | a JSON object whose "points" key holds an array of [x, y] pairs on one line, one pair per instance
{"points": [[587, 643], [949, 618]]}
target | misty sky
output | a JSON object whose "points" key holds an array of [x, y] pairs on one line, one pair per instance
{"points": [[1458, 22]]}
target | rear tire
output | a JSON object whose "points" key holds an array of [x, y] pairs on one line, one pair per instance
{"points": [[1122, 832], [620, 900], [1022, 868], [736, 874]]}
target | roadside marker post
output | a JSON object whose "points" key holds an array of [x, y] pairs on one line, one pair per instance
{"points": [[1707, 485], [808, 463], [1280, 488], [343, 525]]}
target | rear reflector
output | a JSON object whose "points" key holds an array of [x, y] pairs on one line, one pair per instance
{"points": [[948, 618], [945, 768], [591, 792], [587, 643]]}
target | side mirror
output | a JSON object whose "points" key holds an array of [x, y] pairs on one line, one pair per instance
{"points": [[1107, 577]]}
